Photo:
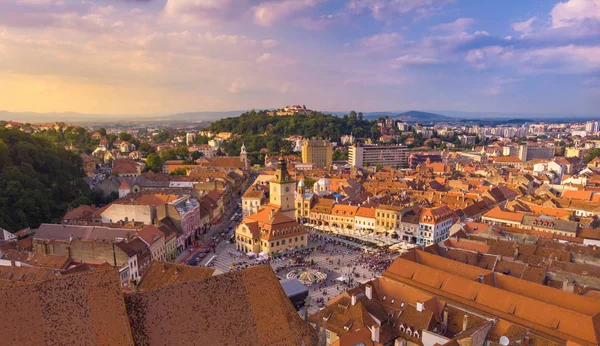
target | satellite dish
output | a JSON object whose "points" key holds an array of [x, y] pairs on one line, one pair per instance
{"points": [[504, 341]]}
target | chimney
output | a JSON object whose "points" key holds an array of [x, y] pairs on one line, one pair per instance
{"points": [[353, 299], [369, 291], [420, 307], [465, 322], [70, 238], [375, 333], [272, 214], [481, 277]]}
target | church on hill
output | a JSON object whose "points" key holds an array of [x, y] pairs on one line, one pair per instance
{"points": [[273, 229]]}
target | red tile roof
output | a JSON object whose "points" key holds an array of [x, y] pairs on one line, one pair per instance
{"points": [[246, 307], [77, 309]]}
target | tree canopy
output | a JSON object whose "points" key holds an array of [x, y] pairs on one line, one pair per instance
{"points": [[258, 123], [39, 180], [591, 154]]}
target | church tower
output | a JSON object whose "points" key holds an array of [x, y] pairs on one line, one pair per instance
{"points": [[283, 189], [244, 157]]}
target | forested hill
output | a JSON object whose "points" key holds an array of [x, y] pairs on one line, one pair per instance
{"points": [[38, 180], [316, 125]]}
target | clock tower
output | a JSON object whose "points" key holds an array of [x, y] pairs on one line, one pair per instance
{"points": [[283, 189]]}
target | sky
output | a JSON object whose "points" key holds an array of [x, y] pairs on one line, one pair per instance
{"points": [[169, 56]]}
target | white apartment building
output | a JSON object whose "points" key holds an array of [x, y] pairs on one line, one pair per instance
{"points": [[434, 225], [386, 155]]}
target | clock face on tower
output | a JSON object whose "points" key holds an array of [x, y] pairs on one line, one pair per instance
{"points": [[287, 189]]}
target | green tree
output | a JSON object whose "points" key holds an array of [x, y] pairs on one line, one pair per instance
{"points": [[591, 154], [146, 148], [196, 155], [309, 182], [179, 153], [154, 163], [179, 171], [124, 136], [39, 180]]}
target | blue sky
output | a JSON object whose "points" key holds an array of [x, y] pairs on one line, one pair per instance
{"points": [[167, 56]]}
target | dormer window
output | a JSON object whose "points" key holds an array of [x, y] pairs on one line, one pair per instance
{"points": [[392, 301], [384, 297]]}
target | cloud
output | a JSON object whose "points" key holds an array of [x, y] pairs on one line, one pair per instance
{"points": [[525, 26], [498, 85], [269, 13], [389, 9], [413, 60], [269, 43], [237, 86], [478, 57], [380, 41], [213, 12], [205, 12], [264, 58], [573, 11], [459, 25]]}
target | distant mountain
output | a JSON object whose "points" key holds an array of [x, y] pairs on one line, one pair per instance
{"points": [[411, 116], [202, 116], [74, 117]]}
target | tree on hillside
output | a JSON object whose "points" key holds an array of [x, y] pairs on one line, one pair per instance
{"points": [[154, 163], [592, 154], [39, 180]]}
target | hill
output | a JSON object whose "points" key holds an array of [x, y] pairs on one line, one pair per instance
{"points": [[38, 180], [257, 130], [202, 116]]}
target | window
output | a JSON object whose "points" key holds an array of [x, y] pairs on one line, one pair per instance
{"points": [[283, 242], [272, 245], [277, 243], [302, 238]]}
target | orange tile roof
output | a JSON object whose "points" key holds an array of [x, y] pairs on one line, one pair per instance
{"points": [[244, 307], [150, 234], [500, 214], [124, 166], [84, 308], [344, 210], [582, 195], [162, 274], [366, 212], [507, 159], [553, 312]]}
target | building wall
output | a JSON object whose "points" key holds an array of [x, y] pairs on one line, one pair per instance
{"points": [[283, 195], [528, 152], [123, 212], [134, 271], [283, 244], [171, 249], [158, 250], [302, 208], [318, 152], [361, 222], [250, 205], [245, 243], [387, 220], [434, 233], [80, 251], [386, 155]]}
